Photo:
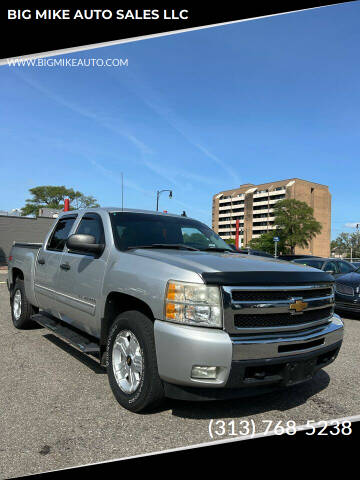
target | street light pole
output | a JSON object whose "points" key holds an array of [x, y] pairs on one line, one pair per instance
{"points": [[158, 195]]}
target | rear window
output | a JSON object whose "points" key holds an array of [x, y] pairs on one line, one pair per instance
{"points": [[345, 267]]}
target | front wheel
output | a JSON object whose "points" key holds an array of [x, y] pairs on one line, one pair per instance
{"points": [[21, 309], [131, 362]]}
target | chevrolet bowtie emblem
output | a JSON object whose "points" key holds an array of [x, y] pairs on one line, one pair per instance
{"points": [[298, 306]]}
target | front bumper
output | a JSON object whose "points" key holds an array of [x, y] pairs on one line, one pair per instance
{"points": [[243, 361]]}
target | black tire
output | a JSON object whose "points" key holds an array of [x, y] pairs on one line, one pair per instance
{"points": [[26, 309], [150, 392]]}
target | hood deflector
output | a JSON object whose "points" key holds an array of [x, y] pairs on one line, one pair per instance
{"points": [[265, 278]]}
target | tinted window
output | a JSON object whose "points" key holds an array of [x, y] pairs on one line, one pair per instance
{"points": [[345, 267], [311, 263], [91, 224], [193, 237], [136, 229], [61, 233], [331, 267]]}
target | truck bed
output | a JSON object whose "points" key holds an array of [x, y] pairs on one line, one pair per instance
{"points": [[23, 258]]}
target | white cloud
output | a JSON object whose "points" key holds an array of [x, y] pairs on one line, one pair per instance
{"points": [[352, 225]]}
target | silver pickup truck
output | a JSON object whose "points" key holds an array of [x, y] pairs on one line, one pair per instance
{"points": [[170, 310]]}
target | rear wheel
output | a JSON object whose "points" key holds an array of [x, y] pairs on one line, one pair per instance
{"points": [[131, 362], [21, 309]]}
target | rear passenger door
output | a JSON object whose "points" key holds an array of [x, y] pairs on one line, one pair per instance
{"points": [[48, 262], [80, 278]]}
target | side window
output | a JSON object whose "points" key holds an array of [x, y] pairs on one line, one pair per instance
{"points": [[91, 224], [331, 267], [193, 236], [345, 267], [60, 234]]}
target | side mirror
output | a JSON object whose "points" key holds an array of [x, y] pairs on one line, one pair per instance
{"points": [[84, 243]]}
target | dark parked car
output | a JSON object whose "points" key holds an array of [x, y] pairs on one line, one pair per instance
{"points": [[294, 256], [334, 266], [347, 292]]}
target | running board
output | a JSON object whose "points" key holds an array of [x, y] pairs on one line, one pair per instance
{"points": [[68, 333]]}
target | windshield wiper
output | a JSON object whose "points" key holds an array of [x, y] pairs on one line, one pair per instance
{"points": [[178, 246], [217, 249]]}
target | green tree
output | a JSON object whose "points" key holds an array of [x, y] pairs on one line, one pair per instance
{"points": [[266, 242], [230, 241], [51, 196], [79, 200], [345, 242], [296, 223]]}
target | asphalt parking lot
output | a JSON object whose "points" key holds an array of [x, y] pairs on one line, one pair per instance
{"points": [[57, 410]]}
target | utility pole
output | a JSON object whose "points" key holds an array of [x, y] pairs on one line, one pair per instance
{"points": [[231, 215], [237, 233]]}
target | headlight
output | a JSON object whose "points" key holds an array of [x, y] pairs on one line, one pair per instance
{"points": [[193, 304]]}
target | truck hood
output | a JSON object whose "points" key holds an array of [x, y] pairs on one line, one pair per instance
{"points": [[210, 264]]}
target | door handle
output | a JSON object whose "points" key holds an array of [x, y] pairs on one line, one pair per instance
{"points": [[41, 261], [65, 266]]}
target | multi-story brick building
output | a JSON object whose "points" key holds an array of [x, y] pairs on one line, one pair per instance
{"points": [[253, 206]]}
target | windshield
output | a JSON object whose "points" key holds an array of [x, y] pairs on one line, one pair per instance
{"points": [[143, 229], [311, 263]]}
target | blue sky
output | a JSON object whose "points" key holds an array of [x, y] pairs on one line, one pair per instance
{"points": [[198, 112]]}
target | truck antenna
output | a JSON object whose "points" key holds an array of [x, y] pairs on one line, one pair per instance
{"points": [[122, 191]]}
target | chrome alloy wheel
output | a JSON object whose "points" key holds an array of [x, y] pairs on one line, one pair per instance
{"points": [[127, 361], [17, 305]]}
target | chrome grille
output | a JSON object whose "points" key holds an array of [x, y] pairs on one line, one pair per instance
{"points": [[280, 319], [344, 289], [258, 309]]}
